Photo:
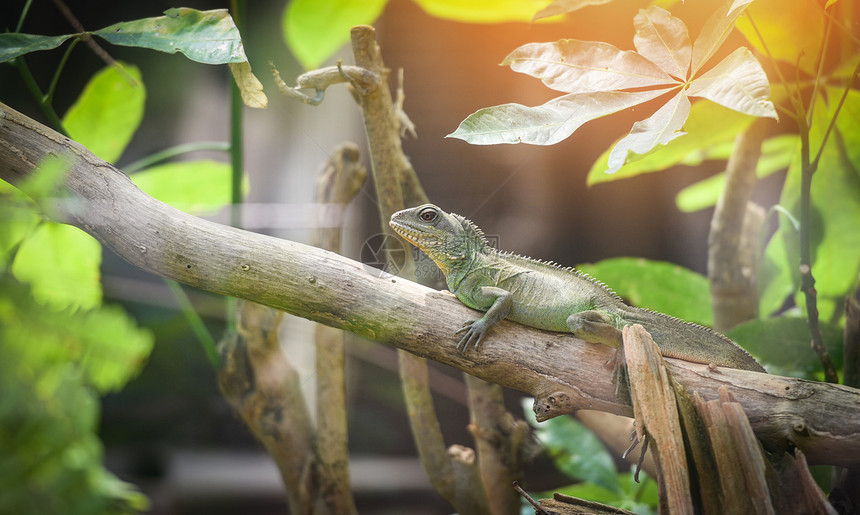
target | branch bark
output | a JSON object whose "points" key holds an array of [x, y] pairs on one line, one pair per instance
{"points": [[562, 372], [733, 241]]}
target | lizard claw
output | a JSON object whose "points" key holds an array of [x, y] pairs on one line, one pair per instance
{"points": [[475, 330]]}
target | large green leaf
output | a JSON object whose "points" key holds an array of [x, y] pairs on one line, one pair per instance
{"points": [[108, 112], [776, 154], [658, 129], [546, 124], [663, 39], [12, 44], [315, 29], [192, 186], [482, 11], [737, 82], [783, 343], [656, 285], [709, 124], [208, 37], [574, 66], [61, 263]]}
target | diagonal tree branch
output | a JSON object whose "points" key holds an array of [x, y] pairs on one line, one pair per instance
{"points": [[562, 372]]}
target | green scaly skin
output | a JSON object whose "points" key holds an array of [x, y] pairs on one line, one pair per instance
{"points": [[547, 296]]}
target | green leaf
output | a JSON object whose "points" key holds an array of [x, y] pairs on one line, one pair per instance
{"points": [[315, 29], [108, 112], [777, 278], [835, 197], [709, 124], [776, 154], [546, 124], [49, 414], [658, 129], [208, 37], [116, 348], [61, 263], [565, 6], [574, 66], [792, 29], [783, 343], [737, 82], [715, 31], [575, 450], [482, 11], [657, 285], [192, 186], [663, 39], [13, 45], [642, 498]]}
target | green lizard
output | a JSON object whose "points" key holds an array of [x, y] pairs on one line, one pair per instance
{"points": [[547, 296]]}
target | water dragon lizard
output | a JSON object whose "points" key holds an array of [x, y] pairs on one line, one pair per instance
{"points": [[547, 296]]}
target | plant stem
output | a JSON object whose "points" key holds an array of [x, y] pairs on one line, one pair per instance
{"points": [[36, 91], [23, 16], [237, 150], [49, 95], [195, 322], [171, 152], [807, 281]]}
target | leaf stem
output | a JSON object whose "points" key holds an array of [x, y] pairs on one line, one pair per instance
{"points": [[49, 95], [171, 152], [41, 99], [23, 16], [196, 323], [835, 115]]}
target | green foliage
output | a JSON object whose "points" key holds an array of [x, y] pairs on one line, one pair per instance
{"points": [[208, 37], [709, 125], [193, 186], [12, 45], [776, 154], [835, 197], [316, 29], [783, 343], [59, 349], [51, 366], [108, 111], [578, 453], [656, 285], [61, 263]]}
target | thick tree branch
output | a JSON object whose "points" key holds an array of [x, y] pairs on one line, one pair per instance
{"points": [[562, 372]]}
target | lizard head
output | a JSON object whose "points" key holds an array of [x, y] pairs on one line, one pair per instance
{"points": [[448, 239]]}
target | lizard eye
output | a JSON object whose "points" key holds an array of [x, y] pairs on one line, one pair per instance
{"points": [[428, 214]]}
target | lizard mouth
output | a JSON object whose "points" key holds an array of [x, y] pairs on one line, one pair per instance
{"points": [[405, 231]]}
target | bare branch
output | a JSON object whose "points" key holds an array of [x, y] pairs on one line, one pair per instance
{"points": [[786, 413]]}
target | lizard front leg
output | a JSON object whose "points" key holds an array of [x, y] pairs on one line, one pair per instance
{"points": [[500, 301], [595, 326]]}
